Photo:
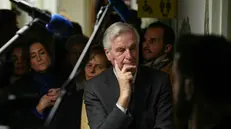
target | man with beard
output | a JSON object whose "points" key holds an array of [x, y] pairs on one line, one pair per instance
{"points": [[201, 87], [157, 47]]}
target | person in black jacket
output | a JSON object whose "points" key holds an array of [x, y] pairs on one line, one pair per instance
{"points": [[8, 28], [201, 93], [36, 92]]}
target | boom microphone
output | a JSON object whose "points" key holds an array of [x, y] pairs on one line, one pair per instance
{"points": [[121, 9], [32, 11], [55, 23]]}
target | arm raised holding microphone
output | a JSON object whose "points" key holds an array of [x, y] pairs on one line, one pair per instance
{"points": [[144, 91]]}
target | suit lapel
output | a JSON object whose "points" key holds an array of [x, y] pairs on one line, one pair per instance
{"points": [[111, 89], [140, 95], [141, 92]]}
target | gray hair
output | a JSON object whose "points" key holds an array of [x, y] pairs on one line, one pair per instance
{"points": [[115, 30]]}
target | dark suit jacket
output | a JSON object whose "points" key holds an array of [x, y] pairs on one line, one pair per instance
{"points": [[150, 108], [17, 114]]}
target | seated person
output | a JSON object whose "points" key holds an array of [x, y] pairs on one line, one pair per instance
{"points": [[127, 95], [72, 103], [157, 47], [18, 57], [74, 47], [8, 25], [39, 88]]}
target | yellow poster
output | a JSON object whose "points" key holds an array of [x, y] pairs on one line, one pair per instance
{"points": [[157, 8]]}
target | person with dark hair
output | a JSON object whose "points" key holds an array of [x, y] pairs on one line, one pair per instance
{"points": [[157, 47], [17, 68], [77, 29], [17, 56], [8, 28], [74, 47], [95, 62], [40, 86], [201, 92]]}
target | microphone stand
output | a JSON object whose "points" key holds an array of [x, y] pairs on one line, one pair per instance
{"points": [[50, 121], [18, 35]]}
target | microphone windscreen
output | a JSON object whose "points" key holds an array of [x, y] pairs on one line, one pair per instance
{"points": [[121, 9], [59, 26]]}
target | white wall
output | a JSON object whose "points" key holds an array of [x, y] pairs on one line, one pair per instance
{"points": [[78, 10], [87, 28], [50, 5], [134, 4], [194, 10], [24, 17], [219, 17], [229, 21], [5, 4], [74, 8]]}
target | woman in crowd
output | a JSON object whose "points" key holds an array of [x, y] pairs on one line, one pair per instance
{"points": [[39, 88]]}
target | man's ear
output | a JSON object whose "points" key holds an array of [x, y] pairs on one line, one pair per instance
{"points": [[108, 54], [168, 48], [189, 88]]}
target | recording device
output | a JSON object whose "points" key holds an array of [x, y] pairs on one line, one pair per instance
{"points": [[56, 24], [121, 9], [32, 11]]}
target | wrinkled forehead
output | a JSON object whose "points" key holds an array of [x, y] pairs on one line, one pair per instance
{"points": [[127, 38]]}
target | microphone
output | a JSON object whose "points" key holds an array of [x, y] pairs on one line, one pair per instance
{"points": [[56, 24], [121, 9], [32, 11], [59, 26]]}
